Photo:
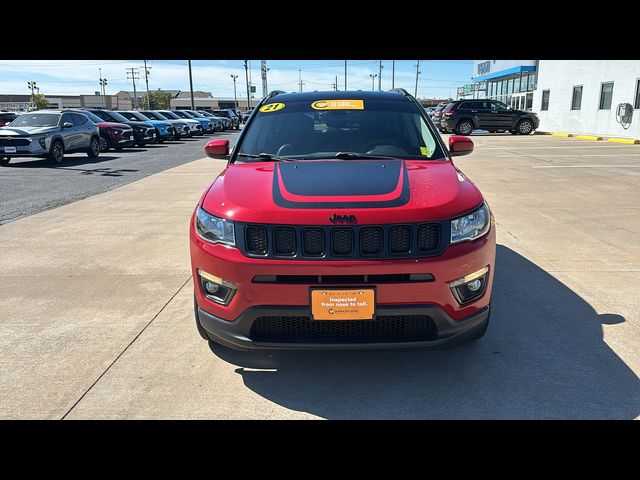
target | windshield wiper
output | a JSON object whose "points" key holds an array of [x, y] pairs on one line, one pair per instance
{"points": [[265, 156], [356, 156]]}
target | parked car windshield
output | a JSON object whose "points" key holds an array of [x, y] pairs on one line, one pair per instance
{"points": [[153, 115], [221, 113], [195, 114], [182, 114], [111, 116], [134, 116], [92, 116], [36, 120], [171, 115], [388, 128]]}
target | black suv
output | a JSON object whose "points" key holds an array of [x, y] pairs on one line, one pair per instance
{"points": [[230, 114], [465, 116]]}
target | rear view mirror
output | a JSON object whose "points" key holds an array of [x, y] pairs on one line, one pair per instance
{"points": [[217, 149], [459, 145], [67, 125]]}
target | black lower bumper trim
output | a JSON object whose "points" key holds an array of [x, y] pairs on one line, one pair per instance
{"points": [[238, 334]]}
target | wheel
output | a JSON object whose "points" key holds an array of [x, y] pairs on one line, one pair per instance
{"points": [[94, 148], [201, 330], [56, 153], [4, 160], [524, 127], [104, 144], [465, 127], [158, 138], [482, 330]]}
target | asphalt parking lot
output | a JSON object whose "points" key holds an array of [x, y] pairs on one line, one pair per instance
{"points": [[98, 316], [32, 185]]}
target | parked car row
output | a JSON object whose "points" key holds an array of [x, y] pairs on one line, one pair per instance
{"points": [[52, 133], [464, 116]]}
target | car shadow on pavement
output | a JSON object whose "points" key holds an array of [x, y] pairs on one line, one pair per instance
{"points": [[542, 357]]}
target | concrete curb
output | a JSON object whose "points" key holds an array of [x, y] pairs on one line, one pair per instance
{"points": [[588, 137], [562, 134], [541, 133], [628, 141]]}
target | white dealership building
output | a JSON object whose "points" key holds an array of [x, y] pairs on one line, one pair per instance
{"points": [[592, 97]]}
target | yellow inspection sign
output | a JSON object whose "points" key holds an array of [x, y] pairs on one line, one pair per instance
{"points": [[338, 105]]}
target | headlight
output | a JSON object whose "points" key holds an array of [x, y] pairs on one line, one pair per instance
{"points": [[214, 229], [471, 226], [117, 131]]}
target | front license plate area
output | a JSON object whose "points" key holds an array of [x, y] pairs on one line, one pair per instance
{"points": [[10, 150], [343, 303]]}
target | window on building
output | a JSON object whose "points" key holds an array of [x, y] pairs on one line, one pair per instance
{"points": [[545, 100], [576, 98], [510, 86], [516, 84], [532, 82], [636, 104], [606, 94]]}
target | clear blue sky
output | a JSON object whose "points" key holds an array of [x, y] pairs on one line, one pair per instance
{"points": [[439, 78]]}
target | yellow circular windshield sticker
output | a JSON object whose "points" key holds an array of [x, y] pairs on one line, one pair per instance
{"points": [[338, 105], [272, 107]]}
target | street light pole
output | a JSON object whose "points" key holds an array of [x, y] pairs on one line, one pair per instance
{"points": [[146, 79], [393, 74], [380, 77], [345, 75], [373, 80], [103, 85], [246, 74], [193, 104], [235, 98], [415, 94]]}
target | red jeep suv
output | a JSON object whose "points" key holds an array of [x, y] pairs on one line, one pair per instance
{"points": [[340, 221]]}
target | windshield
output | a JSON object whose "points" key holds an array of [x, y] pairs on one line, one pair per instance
{"points": [[389, 128], [133, 116], [182, 114], [111, 116], [221, 113], [36, 120], [170, 115], [93, 117], [205, 114], [195, 114], [154, 115]]}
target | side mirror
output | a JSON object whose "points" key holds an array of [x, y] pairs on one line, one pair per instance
{"points": [[217, 149], [67, 125], [459, 145]]}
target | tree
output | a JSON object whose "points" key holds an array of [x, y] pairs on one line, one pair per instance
{"points": [[159, 100], [39, 102]]}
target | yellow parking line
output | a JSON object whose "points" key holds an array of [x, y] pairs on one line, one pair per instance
{"points": [[629, 141], [562, 134], [588, 137]]}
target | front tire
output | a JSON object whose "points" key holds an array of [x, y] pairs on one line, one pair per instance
{"points": [[524, 127], [94, 148], [465, 127], [104, 144], [56, 153]]}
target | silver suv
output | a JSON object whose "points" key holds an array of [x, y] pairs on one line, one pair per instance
{"points": [[49, 134]]}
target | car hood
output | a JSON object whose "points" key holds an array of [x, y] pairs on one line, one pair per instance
{"points": [[309, 192], [113, 125], [160, 123], [139, 124], [25, 131]]}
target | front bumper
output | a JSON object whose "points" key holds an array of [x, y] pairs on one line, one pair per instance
{"points": [[435, 297], [237, 334]]}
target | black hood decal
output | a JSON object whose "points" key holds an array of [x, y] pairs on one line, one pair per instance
{"points": [[325, 184]]}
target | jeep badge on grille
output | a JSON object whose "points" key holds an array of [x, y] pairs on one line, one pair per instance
{"points": [[342, 218]]}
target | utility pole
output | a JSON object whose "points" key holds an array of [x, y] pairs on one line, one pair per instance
{"points": [[235, 98], [250, 79], [393, 74], [263, 74], [380, 77], [300, 82], [135, 75], [146, 79], [336, 84], [246, 74], [193, 104], [345, 75], [103, 87], [373, 80], [415, 94]]}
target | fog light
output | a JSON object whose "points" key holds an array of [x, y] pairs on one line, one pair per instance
{"points": [[475, 285], [470, 287], [217, 289]]}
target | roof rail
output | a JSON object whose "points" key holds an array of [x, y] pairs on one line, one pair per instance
{"points": [[274, 93], [401, 91]]}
